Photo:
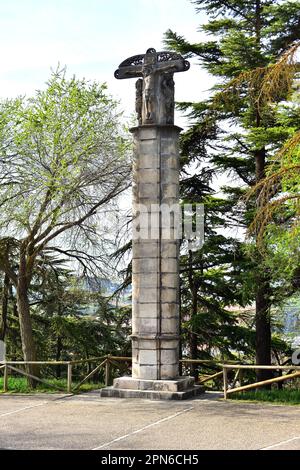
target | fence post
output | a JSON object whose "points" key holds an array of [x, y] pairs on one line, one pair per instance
{"points": [[69, 383], [5, 379], [107, 372], [241, 377], [225, 382]]}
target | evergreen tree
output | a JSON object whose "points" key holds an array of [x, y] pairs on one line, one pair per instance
{"points": [[211, 281]]}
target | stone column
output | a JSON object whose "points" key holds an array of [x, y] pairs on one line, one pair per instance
{"points": [[155, 269]]}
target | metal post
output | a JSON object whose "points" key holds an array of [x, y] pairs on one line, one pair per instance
{"points": [[241, 377], [69, 384]]}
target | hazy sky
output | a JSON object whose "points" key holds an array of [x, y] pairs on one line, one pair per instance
{"points": [[91, 37]]}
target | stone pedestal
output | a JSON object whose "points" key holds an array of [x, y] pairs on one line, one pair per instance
{"points": [[155, 270], [176, 389]]}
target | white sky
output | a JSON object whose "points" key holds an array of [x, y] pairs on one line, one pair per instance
{"points": [[91, 38]]}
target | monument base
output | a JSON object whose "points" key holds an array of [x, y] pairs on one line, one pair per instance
{"points": [[180, 388]]}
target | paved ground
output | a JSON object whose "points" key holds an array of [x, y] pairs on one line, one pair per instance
{"points": [[90, 422]]}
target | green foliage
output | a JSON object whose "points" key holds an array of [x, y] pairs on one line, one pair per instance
{"points": [[288, 396], [59, 151], [20, 385], [70, 321]]}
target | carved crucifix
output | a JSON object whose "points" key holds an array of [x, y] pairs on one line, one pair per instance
{"points": [[155, 90]]}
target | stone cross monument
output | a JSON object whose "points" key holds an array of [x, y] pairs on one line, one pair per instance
{"points": [[155, 263]]}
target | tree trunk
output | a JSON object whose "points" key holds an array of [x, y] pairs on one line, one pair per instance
{"points": [[59, 347], [28, 345], [263, 332], [194, 354], [5, 295], [262, 300], [193, 337], [180, 331]]}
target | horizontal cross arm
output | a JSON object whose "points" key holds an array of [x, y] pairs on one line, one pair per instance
{"points": [[129, 71], [177, 65]]}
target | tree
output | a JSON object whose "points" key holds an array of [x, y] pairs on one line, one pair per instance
{"points": [[72, 318], [75, 318], [63, 156], [233, 130], [279, 190], [211, 279], [4, 307]]}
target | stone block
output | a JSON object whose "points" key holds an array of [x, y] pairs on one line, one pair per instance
{"points": [[126, 383], [169, 356], [147, 280], [169, 371], [147, 325], [169, 233], [167, 144], [134, 323], [130, 383], [169, 295], [168, 222], [169, 190], [155, 220], [169, 325], [169, 344], [170, 280], [149, 310], [148, 295], [147, 249], [146, 203], [146, 190], [135, 370], [170, 310], [135, 355], [164, 385], [168, 153], [150, 265], [170, 134], [176, 385], [148, 175], [169, 265], [140, 227], [146, 134], [169, 249], [148, 372], [148, 161], [147, 344], [169, 175], [147, 356], [151, 394], [170, 161], [148, 147]]}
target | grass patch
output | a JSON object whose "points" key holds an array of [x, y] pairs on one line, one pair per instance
{"points": [[20, 385], [288, 396]]}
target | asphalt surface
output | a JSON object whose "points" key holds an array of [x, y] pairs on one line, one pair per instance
{"points": [[89, 422]]}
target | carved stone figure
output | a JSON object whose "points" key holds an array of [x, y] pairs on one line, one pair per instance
{"points": [[148, 107], [139, 99], [167, 90], [155, 95]]}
